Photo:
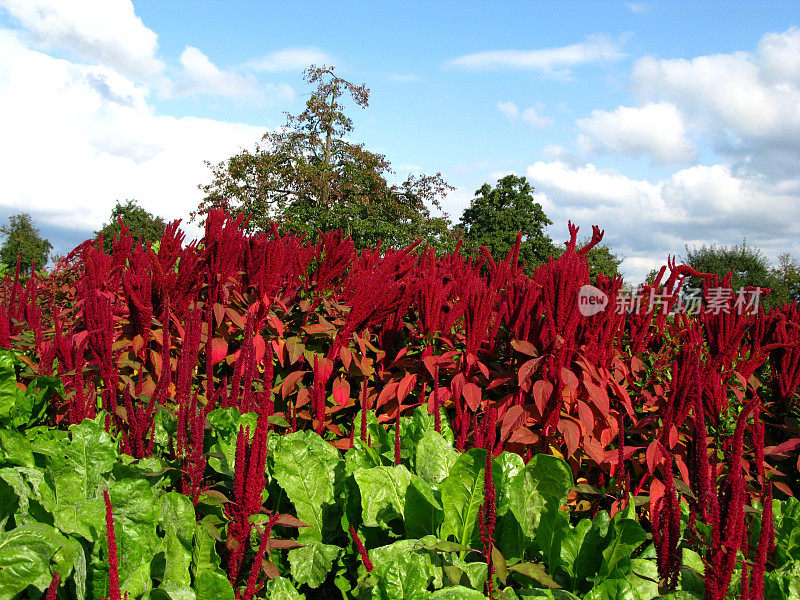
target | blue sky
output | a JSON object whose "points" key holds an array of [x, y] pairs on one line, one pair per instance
{"points": [[665, 123]]}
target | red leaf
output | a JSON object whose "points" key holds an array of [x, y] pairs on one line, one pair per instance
{"points": [[276, 323], [235, 317], [288, 385], [524, 347], [219, 312], [594, 450], [653, 455], [219, 349], [784, 447], [290, 521], [572, 434], [405, 386], [325, 367], [472, 394], [269, 568], [542, 391], [347, 357], [570, 380], [341, 391], [527, 369], [260, 348], [598, 395], [512, 420]]}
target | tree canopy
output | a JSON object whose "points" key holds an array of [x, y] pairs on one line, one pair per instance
{"points": [[749, 267], [142, 224], [309, 176], [496, 214], [22, 239]]}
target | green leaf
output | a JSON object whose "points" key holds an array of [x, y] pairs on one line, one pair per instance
{"points": [[9, 502], [26, 554], [552, 529], [383, 494], [434, 457], [627, 536], [15, 449], [210, 581], [311, 564], [643, 578], [612, 589], [414, 429], [177, 519], [542, 485], [423, 511], [80, 469], [8, 385], [462, 491], [282, 589], [305, 469], [405, 578], [456, 592]]}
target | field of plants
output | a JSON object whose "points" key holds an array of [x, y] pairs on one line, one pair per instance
{"points": [[278, 417]]}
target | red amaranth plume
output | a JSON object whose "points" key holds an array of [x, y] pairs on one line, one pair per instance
{"points": [[362, 551], [113, 559], [52, 589], [597, 237], [487, 511], [248, 487]]}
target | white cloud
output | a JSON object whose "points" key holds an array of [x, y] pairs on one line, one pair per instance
{"points": [[551, 61], [98, 141], [291, 59], [655, 129], [746, 103], [509, 110], [201, 76], [645, 221], [104, 31], [404, 78], [530, 115], [638, 8]]}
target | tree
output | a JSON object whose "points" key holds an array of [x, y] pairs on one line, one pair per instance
{"points": [[309, 176], [786, 280], [142, 224], [748, 267], [23, 240], [602, 259], [496, 215]]}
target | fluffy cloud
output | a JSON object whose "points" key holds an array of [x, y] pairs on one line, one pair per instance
{"points": [[646, 221], [551, 61], [655, 130], [746, 103], [291, 59], [103, 142], [201, 76], [530, 115], [102, 31]]}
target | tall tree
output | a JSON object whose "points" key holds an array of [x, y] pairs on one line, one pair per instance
{"points": [[496, 215], [23, 240], [142, 224], [748, 267], [308, 175]]}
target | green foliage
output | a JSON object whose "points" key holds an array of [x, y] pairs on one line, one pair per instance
{"points": [[421, 536], [496, 215], [748, 267], [142, 224], [23, 240], [309, 176]]}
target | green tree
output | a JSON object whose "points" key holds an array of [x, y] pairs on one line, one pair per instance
{"points": [[142, 224], [748, 267], [22, 239], [602, 259], [786, 279], [309, 176], [496, 215]]}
